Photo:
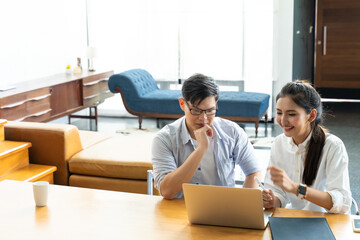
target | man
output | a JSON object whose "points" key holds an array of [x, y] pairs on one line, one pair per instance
{"points": [[200, 148]]}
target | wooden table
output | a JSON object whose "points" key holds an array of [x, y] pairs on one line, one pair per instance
{"points": [[77, 213]]}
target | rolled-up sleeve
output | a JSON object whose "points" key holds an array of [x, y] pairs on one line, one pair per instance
{"points": [[337, 182], [162, 158], [244, 153]]}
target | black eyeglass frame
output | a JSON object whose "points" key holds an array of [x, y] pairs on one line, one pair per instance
{"points": [[200, 111]]}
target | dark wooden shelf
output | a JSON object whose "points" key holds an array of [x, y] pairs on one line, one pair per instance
{"points": [[48, 98]]}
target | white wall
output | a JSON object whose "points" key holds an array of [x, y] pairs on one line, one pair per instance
{"points": [[40, 37]]}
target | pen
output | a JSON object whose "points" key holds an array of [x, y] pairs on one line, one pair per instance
{"points": [[258, 182], [261, 185]]}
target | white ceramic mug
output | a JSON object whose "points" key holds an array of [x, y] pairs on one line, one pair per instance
{"points": [[40, 190]]}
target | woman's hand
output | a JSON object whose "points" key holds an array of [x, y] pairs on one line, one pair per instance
{"points": [[281, 179], [269, 199]]}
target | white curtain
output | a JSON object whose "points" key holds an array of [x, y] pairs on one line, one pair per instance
{"points": [[169, 38], [211, 38], [135, 34]]}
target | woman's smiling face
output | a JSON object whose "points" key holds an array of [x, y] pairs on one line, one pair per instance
{"points": [[293, 119]]}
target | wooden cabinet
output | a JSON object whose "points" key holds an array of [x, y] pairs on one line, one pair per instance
{"points": [[45, 99], [95, 89], [65, 98], [27, 106], [337, 44]]}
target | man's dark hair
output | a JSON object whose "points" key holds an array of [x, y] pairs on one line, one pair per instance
{"points": [[198, 87]]}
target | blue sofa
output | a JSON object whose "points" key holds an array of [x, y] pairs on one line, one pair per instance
{"points": [[143, 98]]}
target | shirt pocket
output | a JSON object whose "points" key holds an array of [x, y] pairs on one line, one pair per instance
{"points": [[227, 165], [197, 176]]}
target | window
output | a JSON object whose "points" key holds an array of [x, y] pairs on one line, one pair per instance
{"points": [[176, 38]]}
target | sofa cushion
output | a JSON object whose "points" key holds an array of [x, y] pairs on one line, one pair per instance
{"points": [[118, 157], [89, 138], [242, 104], [135, 83], [158, 101]]}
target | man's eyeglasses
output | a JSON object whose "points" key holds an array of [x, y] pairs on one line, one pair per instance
{"points": [[197, 112]]}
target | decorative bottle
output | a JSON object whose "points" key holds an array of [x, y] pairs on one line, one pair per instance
{"points": [[78, 68]]}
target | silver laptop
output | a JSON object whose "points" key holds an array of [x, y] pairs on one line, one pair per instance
{"points": [[225, 206]]}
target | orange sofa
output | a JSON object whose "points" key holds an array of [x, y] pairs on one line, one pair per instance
{"points": [[87, 159]]}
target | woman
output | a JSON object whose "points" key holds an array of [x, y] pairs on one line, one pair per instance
{"points": [[308, 167]]}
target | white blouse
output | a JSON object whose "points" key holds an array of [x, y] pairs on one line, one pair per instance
{"points": [[332, 175]]}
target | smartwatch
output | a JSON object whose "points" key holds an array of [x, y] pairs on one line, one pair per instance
{"points": [[302, 191]]}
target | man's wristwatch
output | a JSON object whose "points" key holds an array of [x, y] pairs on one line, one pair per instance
{"points": [[302, 191]]}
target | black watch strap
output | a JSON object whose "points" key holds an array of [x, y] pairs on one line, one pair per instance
{"points": [[302, 191]]}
